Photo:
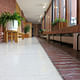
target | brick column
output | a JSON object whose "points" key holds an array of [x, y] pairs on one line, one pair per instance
{"points": [[78, 11]]}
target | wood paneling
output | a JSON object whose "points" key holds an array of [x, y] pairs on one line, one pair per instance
{"points": [[67, 9], [30, 32], [36, 28], [24, 22], [18, 10], [61, 9], [46, 21], [43, 21], [48, 18], [55, 10]]}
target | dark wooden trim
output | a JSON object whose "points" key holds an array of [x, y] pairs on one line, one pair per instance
{"points": [[44, 21], [49, 6], [55, 10], [78, 42], [47, 9], [59, 8], [67, 9], [52, 11]]}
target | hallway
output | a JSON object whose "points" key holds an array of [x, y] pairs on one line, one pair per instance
{"points": [[26, 60]]}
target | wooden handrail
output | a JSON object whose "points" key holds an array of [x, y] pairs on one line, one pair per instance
{"points": [[66, 30]]}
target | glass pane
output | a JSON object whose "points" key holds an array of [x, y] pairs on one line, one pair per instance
{"points": [[73, 12], [53, 9], [63, 9], [57, 8]]}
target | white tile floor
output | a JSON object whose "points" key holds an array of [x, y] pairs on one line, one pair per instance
{"points": [[26, 60]]}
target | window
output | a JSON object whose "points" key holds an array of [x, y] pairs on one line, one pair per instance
{"points": [[63, 9], [73, 12], [57, 5], [53, 7], [57, 8]]}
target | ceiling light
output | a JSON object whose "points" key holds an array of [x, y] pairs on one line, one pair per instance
{"points": [[56, 7], [44, 7]]}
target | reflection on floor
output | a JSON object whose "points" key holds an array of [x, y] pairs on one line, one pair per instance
{"points": [[26, 60], [61, 56]]}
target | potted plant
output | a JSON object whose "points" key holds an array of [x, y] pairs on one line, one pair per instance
{"points": [[54, 24], [58, 24], [10, 21], [64, 22], [26, 30], [42, 30]]}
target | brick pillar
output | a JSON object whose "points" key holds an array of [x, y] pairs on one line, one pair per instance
{"points": [[78, 11]]}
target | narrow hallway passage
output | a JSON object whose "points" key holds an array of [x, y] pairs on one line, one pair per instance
{"points": [[26, 60]]}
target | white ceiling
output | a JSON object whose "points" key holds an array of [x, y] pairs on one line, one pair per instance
{"points": [[33, 9]]}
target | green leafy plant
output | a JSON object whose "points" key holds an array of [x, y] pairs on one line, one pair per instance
{"points": [[26, 29], [63, 20], [17, 17], [57, 21], [42, 30], [7, 16]]}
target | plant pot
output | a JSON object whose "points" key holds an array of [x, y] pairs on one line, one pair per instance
{"points": [[12, 25], [52, 28], [26, 35], [64, 24]]}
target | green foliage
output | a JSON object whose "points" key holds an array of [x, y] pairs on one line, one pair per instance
{"points": [[4, 18], [17, 17], [26, 29], [57, 21], [42, 30], [63, 20], [7, 16]]}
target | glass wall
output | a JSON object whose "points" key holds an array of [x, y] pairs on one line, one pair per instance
{"points": [[73, 12], [53, 10], [66, 11], [57, 8], [63, 10]]}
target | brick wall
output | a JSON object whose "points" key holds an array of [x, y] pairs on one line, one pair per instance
{"points": [[6, 5]]}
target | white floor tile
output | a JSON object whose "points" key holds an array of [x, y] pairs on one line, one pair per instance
{"points": [[26, 60]]}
